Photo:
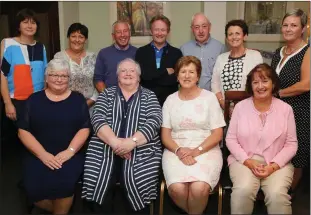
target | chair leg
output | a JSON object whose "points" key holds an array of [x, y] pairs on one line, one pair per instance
{"points": [[151, 208], [220, 192], [162, 197]]}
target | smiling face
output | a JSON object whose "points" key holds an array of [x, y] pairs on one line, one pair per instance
{"points": [[28, 27], [159, 31], [235, 36], [77, 41], [127, 74], [262, 86], [121, 35], [58, 80], [292, 28], [188, 76]]}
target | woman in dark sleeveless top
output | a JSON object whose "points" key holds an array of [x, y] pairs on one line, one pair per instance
{"points": [[292, 63]]}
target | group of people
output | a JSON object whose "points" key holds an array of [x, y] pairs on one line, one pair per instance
{"points": [[125, 104]]}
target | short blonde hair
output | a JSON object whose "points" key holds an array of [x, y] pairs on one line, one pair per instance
{"points": [[298, 13], [57, 65], [138, 70]]}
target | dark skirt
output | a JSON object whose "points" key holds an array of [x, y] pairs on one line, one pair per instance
{"points": [[43, 183]]}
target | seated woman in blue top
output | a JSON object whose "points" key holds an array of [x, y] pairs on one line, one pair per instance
{"points": [[54, 127]]}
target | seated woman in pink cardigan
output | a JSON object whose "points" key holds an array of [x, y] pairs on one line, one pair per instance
{"points": [[262, 141]]}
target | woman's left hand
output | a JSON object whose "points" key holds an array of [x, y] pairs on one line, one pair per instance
{"points": [[64, 156], [126, 146], [263, 172]]}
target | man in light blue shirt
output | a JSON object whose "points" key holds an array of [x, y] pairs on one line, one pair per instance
{"points": [[204, 47]]}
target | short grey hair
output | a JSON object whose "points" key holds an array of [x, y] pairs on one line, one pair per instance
{"points": [[138, 70], [298, 13], [196, 14], [57, 65], [119, 22]]}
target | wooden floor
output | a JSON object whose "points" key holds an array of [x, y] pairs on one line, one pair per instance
{"points": [[13, 200]]}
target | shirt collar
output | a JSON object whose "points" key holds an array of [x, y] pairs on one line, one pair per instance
{"points": [[118, 47], [152, 44], [205, 43]]}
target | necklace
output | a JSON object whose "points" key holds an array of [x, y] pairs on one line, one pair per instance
{"points": [[244, 51], [32, 52], [294, 49], [76, 57], [57, 96]]}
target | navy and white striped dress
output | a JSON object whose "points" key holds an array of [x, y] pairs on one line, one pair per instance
{"points": [[141, 172]]}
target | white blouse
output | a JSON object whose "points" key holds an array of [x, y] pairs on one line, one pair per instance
{"points": [[81, 79]]}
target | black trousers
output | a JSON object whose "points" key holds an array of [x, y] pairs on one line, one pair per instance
{"points": [[115, 201]]}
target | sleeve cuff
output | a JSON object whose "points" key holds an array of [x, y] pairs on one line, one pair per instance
{"points": [[278, 162], [243, 158]]}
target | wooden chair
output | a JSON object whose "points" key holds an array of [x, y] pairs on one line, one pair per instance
{"points": [[235, 97], [218, 188]]}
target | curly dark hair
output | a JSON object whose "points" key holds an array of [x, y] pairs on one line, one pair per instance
{"points": [[237, 22], [78, 27]]}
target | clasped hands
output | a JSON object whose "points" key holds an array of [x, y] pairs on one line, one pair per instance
{"points": [[259, 170], [123, 147], [56, 162], [187, 155]]}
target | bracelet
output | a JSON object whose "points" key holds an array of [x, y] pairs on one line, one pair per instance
{"points": [[177, 150], [72, 149], [220, 99]]}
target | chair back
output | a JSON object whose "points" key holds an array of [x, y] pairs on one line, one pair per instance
{"points": [[235, 97]]}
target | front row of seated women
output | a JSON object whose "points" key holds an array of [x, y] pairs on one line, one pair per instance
{"points": [[126, 148]]}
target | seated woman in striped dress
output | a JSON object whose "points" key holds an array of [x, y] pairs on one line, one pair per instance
{"points": [[125, 147]]}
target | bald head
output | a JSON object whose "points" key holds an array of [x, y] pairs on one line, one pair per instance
{"points": [[201, 27]]}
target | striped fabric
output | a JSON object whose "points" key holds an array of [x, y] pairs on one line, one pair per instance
{"points": [[142, 171], [24, 67]]}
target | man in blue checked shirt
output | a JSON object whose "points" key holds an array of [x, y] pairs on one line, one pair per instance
{"points": [[204, 47], [157, 60]]}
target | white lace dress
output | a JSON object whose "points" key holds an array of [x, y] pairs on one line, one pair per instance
{"points": [[191, 123], [81, 79]]}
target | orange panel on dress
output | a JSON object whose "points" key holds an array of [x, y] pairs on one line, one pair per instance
{"points": [[23, 87]]}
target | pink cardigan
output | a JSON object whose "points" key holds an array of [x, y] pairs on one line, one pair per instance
{"points": [[277, 139]]}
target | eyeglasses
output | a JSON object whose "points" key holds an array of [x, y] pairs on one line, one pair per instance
{"points": [[62, 77]]}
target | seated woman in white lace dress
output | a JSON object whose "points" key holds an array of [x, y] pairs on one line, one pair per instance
{"points": [[82, 63], [191, 132]]}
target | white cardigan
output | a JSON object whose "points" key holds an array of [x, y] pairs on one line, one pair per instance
{"points": [[252, 59]]}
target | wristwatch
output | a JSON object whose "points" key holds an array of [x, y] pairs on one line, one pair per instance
{"points": [[135, 140], [200, 148]]}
